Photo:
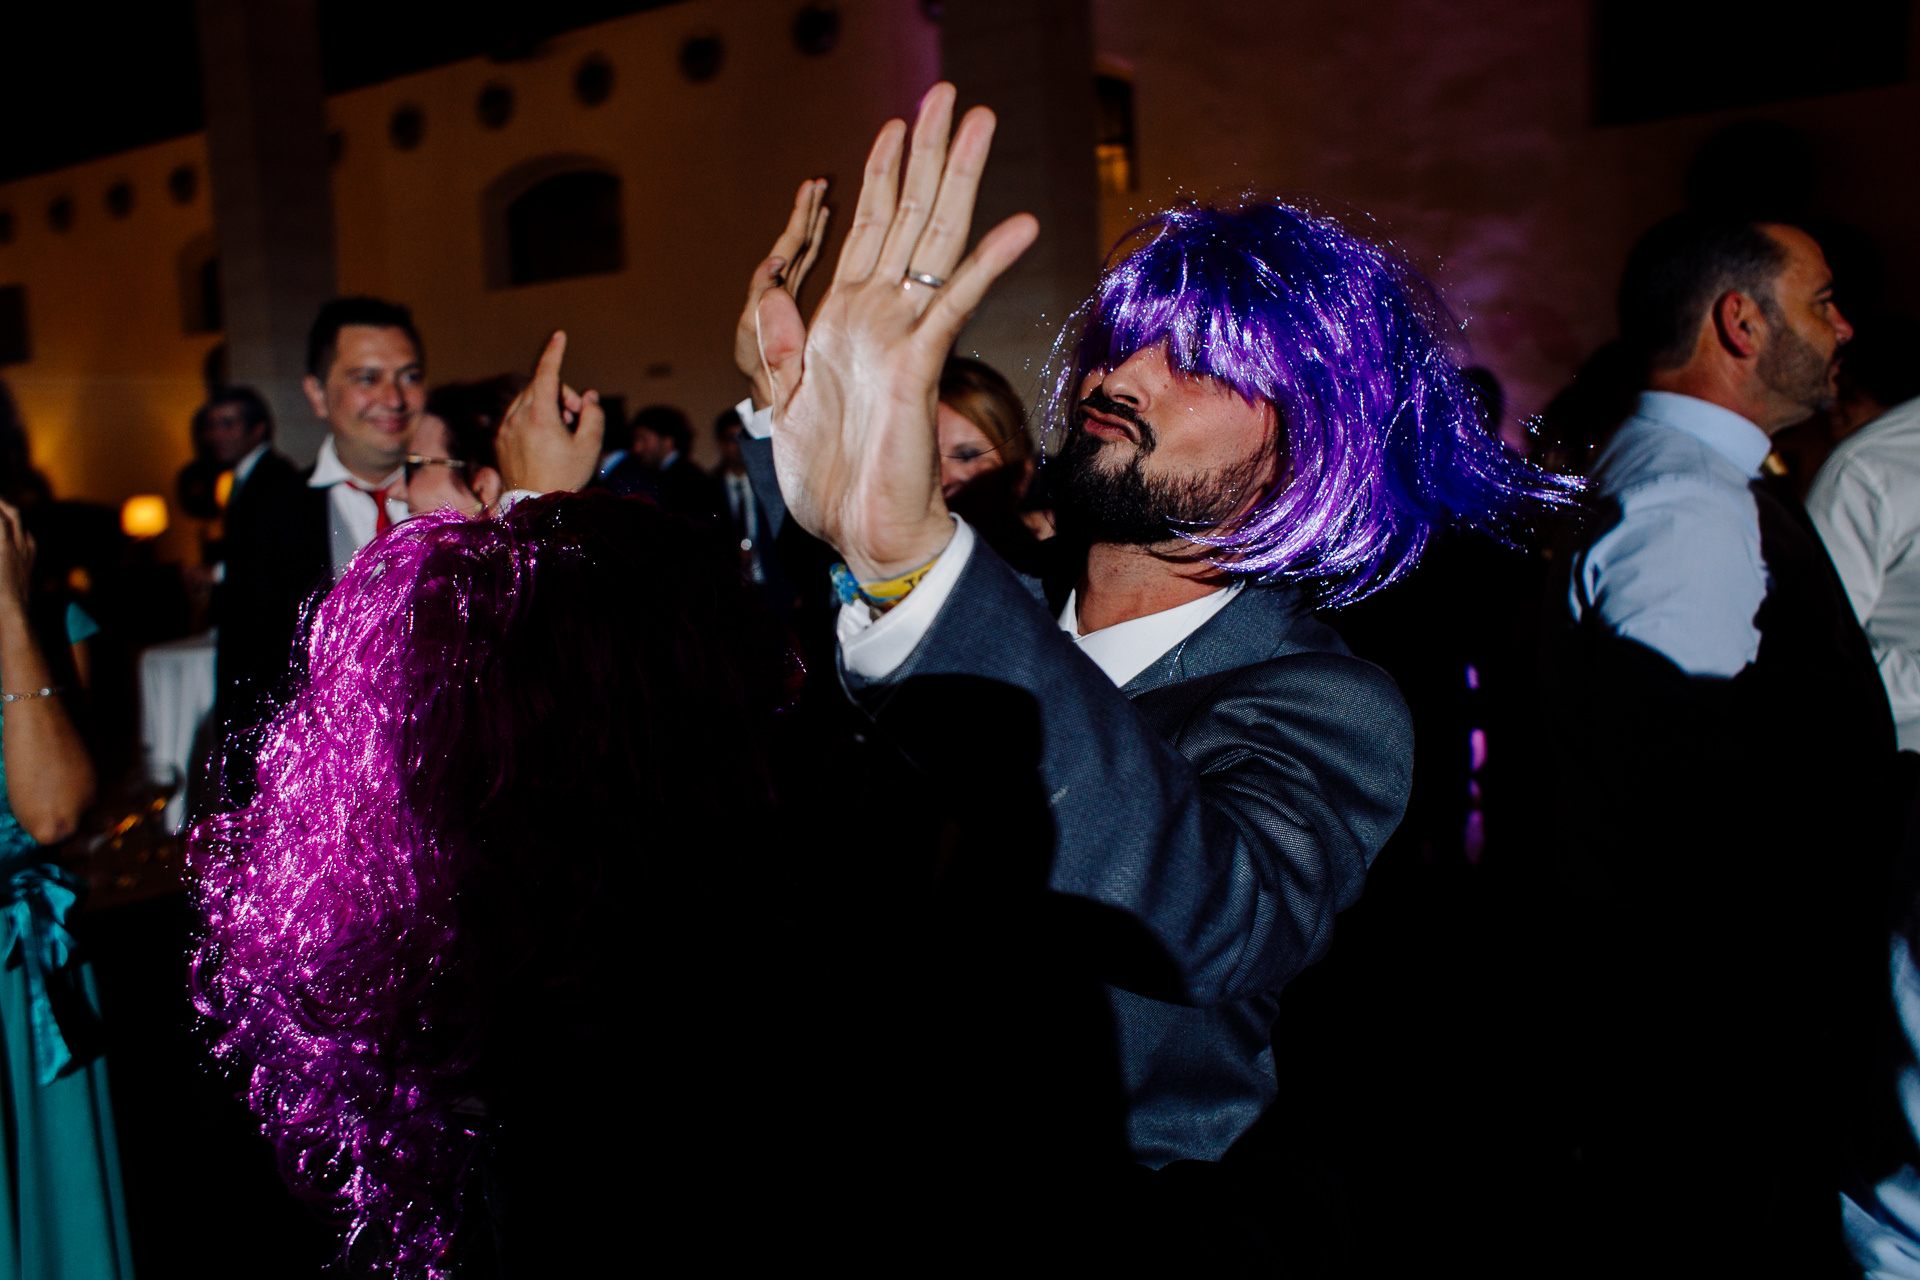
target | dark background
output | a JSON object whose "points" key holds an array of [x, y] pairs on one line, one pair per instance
{"points": [[78, 82]]}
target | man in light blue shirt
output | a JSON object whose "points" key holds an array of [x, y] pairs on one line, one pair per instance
{"points": [[1753, 353], [1727, 769]]}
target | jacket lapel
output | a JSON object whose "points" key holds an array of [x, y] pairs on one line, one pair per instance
{"points": [[1263, 622]]}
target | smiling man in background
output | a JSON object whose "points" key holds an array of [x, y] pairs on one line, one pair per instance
{"points": [[366, 381]]}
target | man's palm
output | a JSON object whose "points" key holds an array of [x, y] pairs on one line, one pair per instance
{"points": [[855, 398]]}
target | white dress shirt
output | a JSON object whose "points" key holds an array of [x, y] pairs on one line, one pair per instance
{"points": [[1866, 504], [353, 514], [1682, 571]]}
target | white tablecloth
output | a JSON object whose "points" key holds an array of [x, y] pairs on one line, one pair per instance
{"points": [[176, 696]]}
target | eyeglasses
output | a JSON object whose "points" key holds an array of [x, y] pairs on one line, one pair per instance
{"points": [[415, 461]]}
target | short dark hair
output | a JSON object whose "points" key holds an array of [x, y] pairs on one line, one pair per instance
{"points": [[253, 409], [323, 340], [664, 420], [727, 419], [1677, 271], [473, 412]]}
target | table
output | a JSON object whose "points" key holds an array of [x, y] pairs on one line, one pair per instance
{"points": [[176, 697]]}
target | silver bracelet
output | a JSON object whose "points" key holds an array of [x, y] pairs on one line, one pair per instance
{"points": [[47, 692]]}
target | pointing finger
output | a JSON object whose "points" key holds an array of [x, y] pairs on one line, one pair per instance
{"points": [[546, 375]]}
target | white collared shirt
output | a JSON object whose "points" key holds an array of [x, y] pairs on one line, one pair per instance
{"points": [[1682, 571], [1866, 504], [353, 514], [1125, 649]]}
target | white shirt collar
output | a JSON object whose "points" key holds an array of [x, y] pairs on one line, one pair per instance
{"points": [[1125, 649], [1725, 432], [328, 470]]}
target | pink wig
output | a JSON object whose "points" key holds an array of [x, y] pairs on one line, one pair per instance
{"points": [[486, 705]]}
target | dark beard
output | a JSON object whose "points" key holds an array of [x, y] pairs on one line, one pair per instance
{"points": [[1791, 367], [1124, 506]]}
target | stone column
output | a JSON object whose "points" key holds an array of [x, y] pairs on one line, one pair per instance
{"points": [[272, 195], [1032, 62]]}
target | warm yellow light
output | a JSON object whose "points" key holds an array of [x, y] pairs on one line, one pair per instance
{"points": [[223, 489], [144, 516]]}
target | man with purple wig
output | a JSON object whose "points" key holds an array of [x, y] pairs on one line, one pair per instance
{"points": [[1260, 415]]}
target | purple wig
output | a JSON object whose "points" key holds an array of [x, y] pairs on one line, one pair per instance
{"points": [[487, 704], [1382, 443]]}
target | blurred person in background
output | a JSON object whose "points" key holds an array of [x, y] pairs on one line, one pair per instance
{"points": [[366, 379], [986, 458], [1865, 502], [452, 462], [233, 436], [60, 1180], [659, 463], [273, 554], [747, 522], [284, 542], [1728, 782]]}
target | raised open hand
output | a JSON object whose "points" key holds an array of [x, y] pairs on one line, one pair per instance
{"points": [[550, 437], [855, 397], [786, 267]]}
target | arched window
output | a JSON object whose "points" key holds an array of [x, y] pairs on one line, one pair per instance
{"points": [[567, 225], [552, 218]]}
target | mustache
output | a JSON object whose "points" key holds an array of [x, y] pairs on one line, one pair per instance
{"points": [[1098, 401]]}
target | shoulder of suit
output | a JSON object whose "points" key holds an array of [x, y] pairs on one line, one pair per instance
{"points": [[1329, 677]]}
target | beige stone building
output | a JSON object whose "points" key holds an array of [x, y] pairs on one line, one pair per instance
{"points": [[1466, 132]]}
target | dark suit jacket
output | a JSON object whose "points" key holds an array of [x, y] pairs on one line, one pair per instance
{"points": [[1214, 815], [682, 488], [277, 555]]}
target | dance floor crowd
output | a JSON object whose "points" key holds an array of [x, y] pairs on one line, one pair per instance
{"points": [[1236, 814]]}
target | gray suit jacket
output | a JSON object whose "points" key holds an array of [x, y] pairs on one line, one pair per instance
{"points": [[1228, 800]]}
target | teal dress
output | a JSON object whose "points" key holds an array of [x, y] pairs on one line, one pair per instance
{"points": [[62, 1216]]}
